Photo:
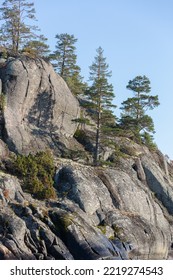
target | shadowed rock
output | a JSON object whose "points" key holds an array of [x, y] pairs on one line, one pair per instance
{"points": [[39, 107]]}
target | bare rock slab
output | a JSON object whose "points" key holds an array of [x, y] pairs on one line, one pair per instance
{"points": [[39, 108]]}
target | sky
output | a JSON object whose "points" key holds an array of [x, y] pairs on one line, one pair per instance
{"points": [[137, 38]]}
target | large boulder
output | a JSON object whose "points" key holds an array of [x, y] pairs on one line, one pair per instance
{"points": [[39, 108]]}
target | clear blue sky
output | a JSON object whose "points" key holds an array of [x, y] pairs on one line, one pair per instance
{"points": [[137, 38]]}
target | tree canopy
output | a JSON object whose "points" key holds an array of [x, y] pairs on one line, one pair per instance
{"points": [[134, 117], [65, 62], [101, 96], [14, 31], [37, 47], [17, 28]]}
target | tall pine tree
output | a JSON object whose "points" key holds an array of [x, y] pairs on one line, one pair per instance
{"points": [[101, 97], [134, 117], [14, 31], [66, 62]]}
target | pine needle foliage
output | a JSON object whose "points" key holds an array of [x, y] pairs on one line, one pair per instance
{"points": [[100, 95], [17, 26], [65, 62], [134, 117]]}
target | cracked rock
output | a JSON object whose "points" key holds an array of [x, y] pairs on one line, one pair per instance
{"points": [[39, 108]]}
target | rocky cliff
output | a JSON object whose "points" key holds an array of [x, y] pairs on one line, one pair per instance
{"points": [[110, 212], [39, 107]]}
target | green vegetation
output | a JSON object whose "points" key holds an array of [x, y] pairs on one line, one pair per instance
{"points": [[2, 102], [17, 30], [117, 231], [37, 48], [65, 62], [65, 221], [62, 221], [14, 31], [101, 95], [102, 228], [75, 155], [148, 141], [84, 139], [80, 135], [37, 173], [133, 117]]}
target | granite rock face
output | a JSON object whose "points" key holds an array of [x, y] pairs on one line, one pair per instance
{"points": [[117, 199], [31, 229], [122, 211], [99, 213], [39, 107]]}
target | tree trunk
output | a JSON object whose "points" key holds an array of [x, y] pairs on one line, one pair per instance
{"points": [[97, 146]]}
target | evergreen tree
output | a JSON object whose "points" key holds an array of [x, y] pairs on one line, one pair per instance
{"points": [[134, 117], [14, 31], [65, 55], [65, 62], [101, 96], [37, 47]]}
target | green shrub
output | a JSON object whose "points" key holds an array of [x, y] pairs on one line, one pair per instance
{"points": [[127, 150], [102, 228], [114, 158], [80, 135], [2, 102], [147, 140], [117, 231], [4, 53], [37, 173]]}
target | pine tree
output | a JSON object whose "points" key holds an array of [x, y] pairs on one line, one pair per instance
{"points": [[65, 55], [37, 47], [134, 117], [65, 62], [101, 96], [14, 31]]}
